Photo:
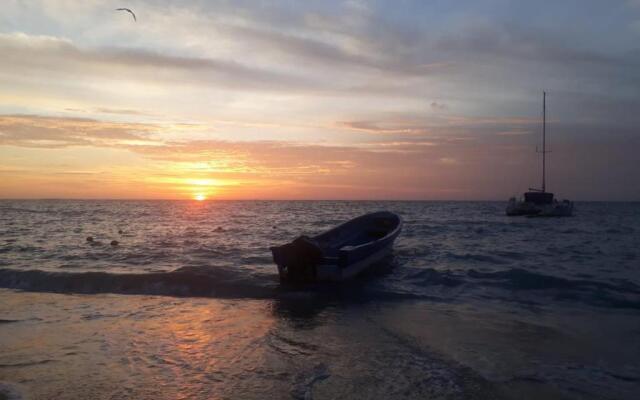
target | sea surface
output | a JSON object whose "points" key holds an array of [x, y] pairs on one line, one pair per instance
{"points": [[471, 305]]}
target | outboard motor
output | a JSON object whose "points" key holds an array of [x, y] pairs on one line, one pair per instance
{"points": [[297, 260]]}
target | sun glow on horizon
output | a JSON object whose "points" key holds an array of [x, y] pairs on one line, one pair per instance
{"points": [[389, 105]]}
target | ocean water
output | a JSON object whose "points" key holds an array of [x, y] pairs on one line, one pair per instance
{"points": [[471, 305]]}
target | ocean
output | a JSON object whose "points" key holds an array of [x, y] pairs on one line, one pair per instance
{"points": [[471, 304]]}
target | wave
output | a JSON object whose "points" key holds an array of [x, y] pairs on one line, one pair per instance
{"points": [[431, 276], [22, 210], [404, 284], [624, 294], [478, 258], [516, 278], [26, 364], [183, 282]]}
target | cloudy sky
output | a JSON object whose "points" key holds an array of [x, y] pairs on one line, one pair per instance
{"points": [[318, 99]]}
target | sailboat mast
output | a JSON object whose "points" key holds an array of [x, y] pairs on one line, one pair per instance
{"points": [[544, 137]]}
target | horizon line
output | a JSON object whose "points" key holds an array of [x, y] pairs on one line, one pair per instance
{"points": [[273, 200]]}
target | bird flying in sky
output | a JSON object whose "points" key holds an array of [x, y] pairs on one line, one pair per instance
{"points": [[128, 10]]}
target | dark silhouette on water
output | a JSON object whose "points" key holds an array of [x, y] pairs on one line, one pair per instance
{"points": [[340, 253], [539, 202], [129, 11]]}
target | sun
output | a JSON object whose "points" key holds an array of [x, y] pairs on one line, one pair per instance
{"points": [[199, 197]]}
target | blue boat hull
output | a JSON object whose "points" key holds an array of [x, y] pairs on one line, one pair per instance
{"points": [[340, 253]]}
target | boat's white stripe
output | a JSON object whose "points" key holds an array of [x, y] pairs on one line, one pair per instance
{"points": [[333, 272]]}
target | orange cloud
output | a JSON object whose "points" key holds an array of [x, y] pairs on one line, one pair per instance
{"points": [[157, 168], [86, 158], [51, 132]]}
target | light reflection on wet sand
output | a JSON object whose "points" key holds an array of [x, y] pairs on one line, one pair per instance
{"points": [[131, 346], [112, 346], [154, 347]]}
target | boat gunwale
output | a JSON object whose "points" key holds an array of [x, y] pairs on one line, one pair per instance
{"points": [[344, 260], [392, 232]]}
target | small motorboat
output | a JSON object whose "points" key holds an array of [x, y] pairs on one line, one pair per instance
{"points": [[340, 253]]}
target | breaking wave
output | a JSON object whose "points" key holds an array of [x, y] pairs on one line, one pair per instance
{"points": [[402, 284], [184, 282]]}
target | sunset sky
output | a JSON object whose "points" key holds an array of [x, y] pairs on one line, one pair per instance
{"points": [[318, 99]]}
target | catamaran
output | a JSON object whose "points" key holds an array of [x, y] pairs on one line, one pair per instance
{"points": [[539, 202]]}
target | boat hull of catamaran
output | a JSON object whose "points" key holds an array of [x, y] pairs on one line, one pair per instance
{"points": [[552, 208]]}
